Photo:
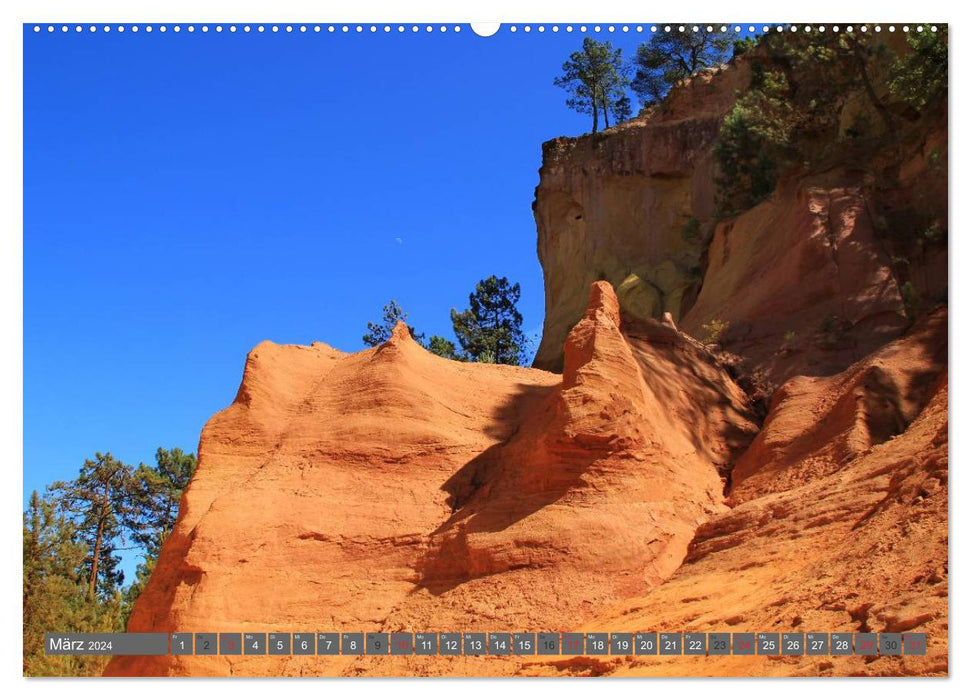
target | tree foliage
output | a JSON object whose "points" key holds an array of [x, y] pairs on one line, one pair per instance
{"points": [[622, 109], [55, 590], [378, 333], [670, 57], [790, 118], [97, 503], [155, 495], [920, 77], [444, 347], [751, 141], [72, 535], [595, 79], [490, 330]]}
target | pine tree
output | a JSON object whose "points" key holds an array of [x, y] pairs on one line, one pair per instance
{"points": [[490, 330], [595, 78], [154, 498], [919, 77], [622, 109], [154, 505], [71, 576], [55, 592], [379, 333], [670, 57], [443, 347], [97, 503]]}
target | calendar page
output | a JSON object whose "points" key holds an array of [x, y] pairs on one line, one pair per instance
{"points": [[549, 349]]}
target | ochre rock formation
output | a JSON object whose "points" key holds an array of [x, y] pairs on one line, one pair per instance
{"points": [[839, 523], [392, 489], [817, 425]]}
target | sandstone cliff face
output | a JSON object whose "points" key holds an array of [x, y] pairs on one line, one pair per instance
{"points": [[826, 270], [817, 425], [806, 263], [628, 206]]}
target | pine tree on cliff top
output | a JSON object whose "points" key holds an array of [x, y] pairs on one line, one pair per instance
{"points": [[443, 347], [595, 79], [670, 57]]}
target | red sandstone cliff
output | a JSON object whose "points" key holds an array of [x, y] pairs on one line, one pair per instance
{"points": [[816, 277]]}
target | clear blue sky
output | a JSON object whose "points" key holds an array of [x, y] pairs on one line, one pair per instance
{"points": [[189, 195]]}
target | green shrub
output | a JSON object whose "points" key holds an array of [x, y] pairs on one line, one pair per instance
{"points": [[714, 330], [746, 171], [691, 231], [788, 120], [911, 298], [935, 233], [935, 161], [919, 78]]}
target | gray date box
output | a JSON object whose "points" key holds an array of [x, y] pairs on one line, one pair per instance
{"points": [[230, 643], [621, 643], [597, 643], [206, 644], [866, 644], [645, 643], [743, 643], [328, 643], [377, 644], [793, 643], [548, 643], [817, 643], [719, 644], [891, 644], [768, 643], [474, 643], [915, 643], [279, 643], [670, 643], [180, 643], [571, 643], [254, 643], [426, 643], [524, 643], [402, 643], [694, 643], [500, 643], [449, 643], [352, 643], [841, 643], [303, 643]]}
